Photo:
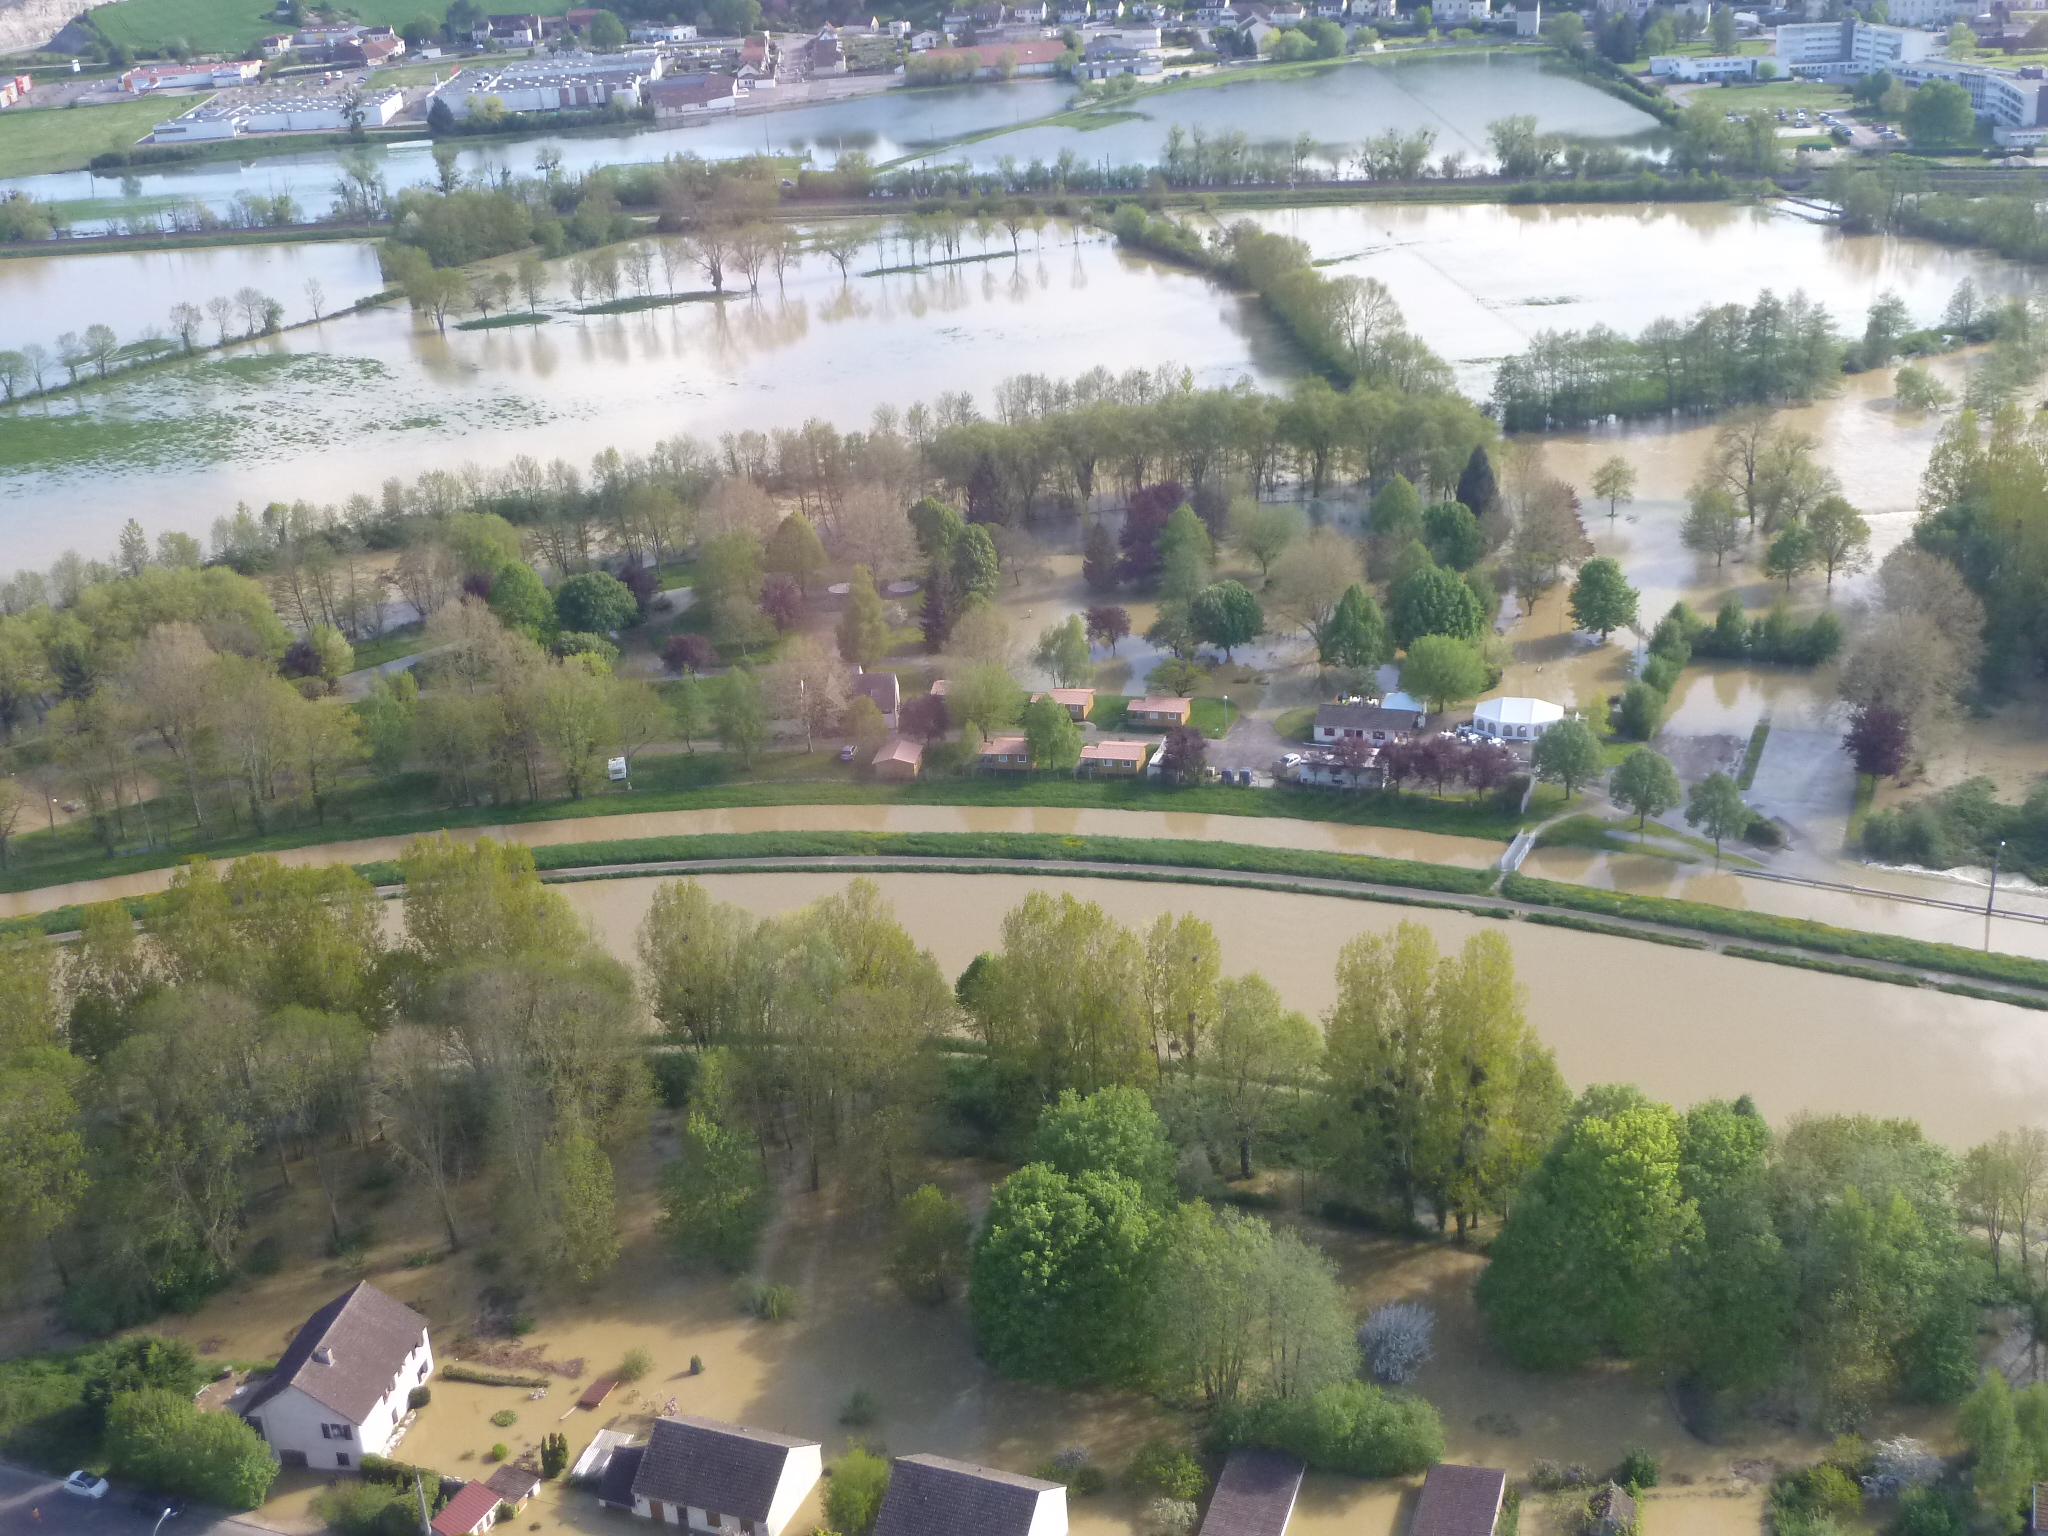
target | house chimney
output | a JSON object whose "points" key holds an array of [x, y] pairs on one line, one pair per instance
{"points": [[324, 1355]]}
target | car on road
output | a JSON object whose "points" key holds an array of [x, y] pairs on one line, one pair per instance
{"points": [[846, 754], [85, 1485]]}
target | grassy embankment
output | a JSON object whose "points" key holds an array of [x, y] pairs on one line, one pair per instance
{"points": [[35, 140]]}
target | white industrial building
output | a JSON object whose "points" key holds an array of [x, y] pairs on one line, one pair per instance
{"points": [[1713, 66], [2008, 100], [564, 82], [278, 112]]}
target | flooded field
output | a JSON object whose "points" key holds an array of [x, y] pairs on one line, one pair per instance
{"points": [[1684, 1025], [335, 409]]}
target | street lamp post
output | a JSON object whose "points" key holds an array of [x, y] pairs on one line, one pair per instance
{"points": [[1991, 895], [160, 1519]]}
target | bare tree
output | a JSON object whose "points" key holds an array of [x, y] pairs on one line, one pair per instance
{"points": [[316, 297], [186, 320]]}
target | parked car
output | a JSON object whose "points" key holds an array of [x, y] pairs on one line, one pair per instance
{"points": [[85, 1485], [846, 754]]}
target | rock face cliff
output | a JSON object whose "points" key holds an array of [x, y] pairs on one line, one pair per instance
{"points": [[28, 24]]}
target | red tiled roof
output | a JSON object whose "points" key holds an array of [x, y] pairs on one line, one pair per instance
{"points": [[469, 1511]]}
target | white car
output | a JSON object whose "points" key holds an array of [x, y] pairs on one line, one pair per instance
{"points": [[86, 1486]]}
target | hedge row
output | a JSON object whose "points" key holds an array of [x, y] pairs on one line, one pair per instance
{"points": [[457, 1371], [1237, 858], [1801, 933]]}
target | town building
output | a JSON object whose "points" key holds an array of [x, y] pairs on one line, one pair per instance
{"points": [[165, 77], [1114, 759], [1515, 719], [561, 83], [1713, 66], [1529, 18], [1461, 13], [1004, 61], [691, 95], [1077, 702], [1393, 719], [934, 1496], [1459, 1501], [706, 1475], [2011, 100], [1162, 711], [1849, 48], [306, 109], [340, 1391], [882, 687], [1006, 754], [1254, 1495], [520, 31], [14, 87]]}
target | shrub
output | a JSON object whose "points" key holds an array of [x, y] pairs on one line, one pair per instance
{"points": [[1812, 1494], [131, 1364], [1554, 1477], [1930, 1511], [498, 1452], [419, 1397], [861, 1409], [1638, 1468], [505, 1511], [455, 1370], [1167, 1469], [688, 653], [368, 1509], [1170, 1517], [157, 1438], [1347, 1426], [1396, 1341], [554, 1454], [696, 1365], [1661, 673], [1641, 711], [504, 1418], [859, 1479], [636, 1364], [523, 1324], [770, 1303], [596, 602]]}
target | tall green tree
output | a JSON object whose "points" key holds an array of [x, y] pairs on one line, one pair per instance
{"points": [[863, 628], [1582, 1266], [1602, 601], [1645, 783], [1226, 614]]}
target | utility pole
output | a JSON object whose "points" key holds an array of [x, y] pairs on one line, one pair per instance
{"points": [[1991, 895], [420, 1492]]}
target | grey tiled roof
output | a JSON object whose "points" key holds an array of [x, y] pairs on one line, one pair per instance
{"points": [[365, 1335], [1459, 1501], [1255, 1495], [713, 1465], [616, 1486], [932, 1496]]}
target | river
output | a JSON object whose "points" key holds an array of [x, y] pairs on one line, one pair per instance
{"points": [[1453, 95]]}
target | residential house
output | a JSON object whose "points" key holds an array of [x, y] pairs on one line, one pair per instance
{"points": [[898, 759], [594, 1464], [521, 31], [705, 1475], [1254, 1495], [1528, 18], [1461, 13], [921, 42], [883, 688], [473, 1510], [1006, 754], [662, 32], [1515, 719], [932, 1496], [1114, 759], [1353, 765], [615, 1479], [1459, 1501], [513, 1484], [691, 95], [1075, 701], [1162, 712], [826, 57], [1031, 11], [1375, 723], [369, 49], [339, 1391]]}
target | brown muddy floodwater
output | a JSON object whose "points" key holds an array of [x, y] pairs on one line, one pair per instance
{"points": [[1685, 1025]]}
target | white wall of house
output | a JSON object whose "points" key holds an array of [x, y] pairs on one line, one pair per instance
{"points": [[800, 1473], [293, 1421], [1050, 1518]]}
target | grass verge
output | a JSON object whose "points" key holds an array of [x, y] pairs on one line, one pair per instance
{"points": [[1754, 753], [1612, 930], [1798, 933], [499, 322], [38, 139]]}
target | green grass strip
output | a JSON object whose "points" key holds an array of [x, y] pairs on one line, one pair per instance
{"points": [[1764, 927], [1754, 754], [1614, 930], [1041, 846], [1831, 967]]}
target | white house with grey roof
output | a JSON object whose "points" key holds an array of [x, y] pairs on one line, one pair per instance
{"points": [[705, 1475], [340, 1391], [932, 1496]]}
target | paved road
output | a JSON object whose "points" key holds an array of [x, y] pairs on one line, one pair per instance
{"points": [[32, 1504]]}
